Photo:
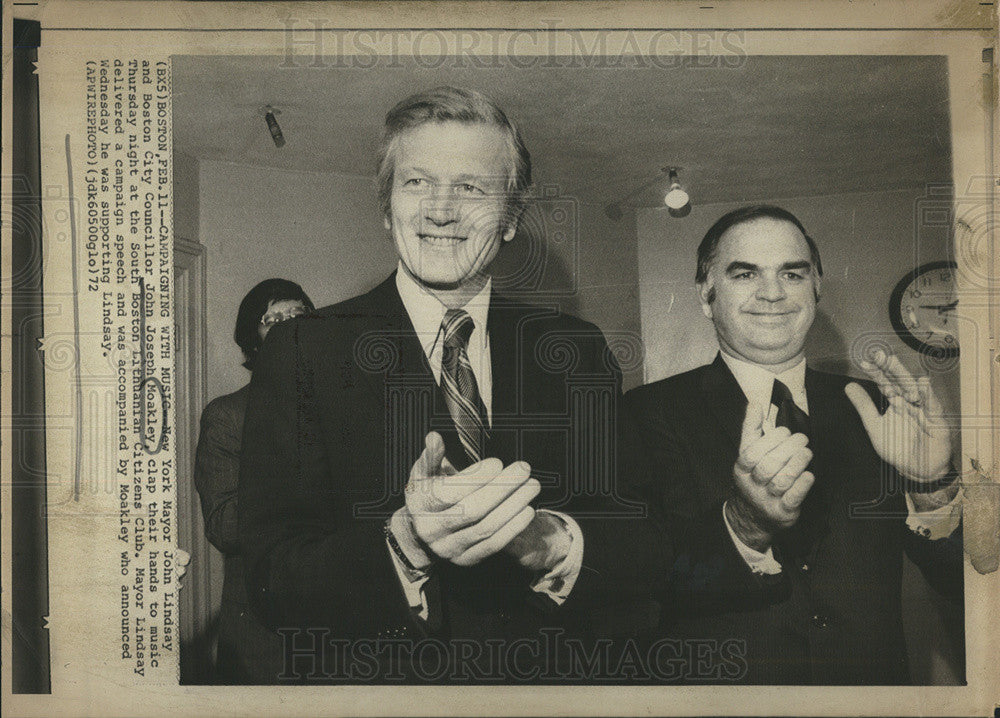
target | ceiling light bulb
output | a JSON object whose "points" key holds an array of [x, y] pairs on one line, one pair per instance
{"points": [[272, 126], [676, 198]]}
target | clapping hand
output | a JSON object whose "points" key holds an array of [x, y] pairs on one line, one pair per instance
{"points": [[912, 434], [543, 544], [770, 481], [462, 516]]}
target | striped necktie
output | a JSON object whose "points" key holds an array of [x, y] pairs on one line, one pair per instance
{"points": [[458, 383]]}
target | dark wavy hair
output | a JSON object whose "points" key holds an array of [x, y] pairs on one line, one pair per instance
{"points": [[254, 307], [743, 215]]}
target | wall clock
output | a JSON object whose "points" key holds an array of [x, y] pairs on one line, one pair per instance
{"points": [[923, 309]]}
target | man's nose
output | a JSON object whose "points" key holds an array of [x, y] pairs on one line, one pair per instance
{"points": [[771, 289], [441, 207]]}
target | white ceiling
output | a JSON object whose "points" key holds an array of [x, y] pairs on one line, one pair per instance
{"points": [[772, 128]]}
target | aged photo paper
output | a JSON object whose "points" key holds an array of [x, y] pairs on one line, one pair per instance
{"points": [[169, 156]]}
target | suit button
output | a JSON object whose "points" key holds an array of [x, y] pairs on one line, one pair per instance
{"points": [[820, 621], [805, 568]]}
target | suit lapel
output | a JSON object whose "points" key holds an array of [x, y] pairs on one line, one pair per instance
{"points": [[828, 408], [507, 371], [504, 359], [725, 400], [512, 381], [408, 377], [823, 410], [391, 324]]}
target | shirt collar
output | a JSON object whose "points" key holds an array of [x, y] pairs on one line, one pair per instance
{"points": [[757, 382], [427, 312]]}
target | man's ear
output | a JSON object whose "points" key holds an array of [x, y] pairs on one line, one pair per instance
{"points": [[817, 280], [510, 226], [706, 294]]}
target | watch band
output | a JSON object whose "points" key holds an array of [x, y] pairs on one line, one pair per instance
{"points": [[411, 569]]}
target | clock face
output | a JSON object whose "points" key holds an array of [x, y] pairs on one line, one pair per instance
{"points": [[923, 309]]}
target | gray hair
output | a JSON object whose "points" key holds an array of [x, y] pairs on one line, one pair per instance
{"points": [[452, 104]]}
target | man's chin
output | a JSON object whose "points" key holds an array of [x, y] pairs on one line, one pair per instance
{"points": [[440, 285], [774, 354], [444, 282]]}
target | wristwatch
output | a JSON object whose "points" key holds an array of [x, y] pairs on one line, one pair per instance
{"points": [[413, 573]]}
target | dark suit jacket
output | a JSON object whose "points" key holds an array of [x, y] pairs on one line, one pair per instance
{"points": [[833, 616], [247, 651], [340, 404]]}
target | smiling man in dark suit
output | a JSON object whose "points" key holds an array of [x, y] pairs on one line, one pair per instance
{"points": [[788, 495], [432, 382]]}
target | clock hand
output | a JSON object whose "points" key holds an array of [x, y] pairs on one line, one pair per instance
{"points": [[941, 307]]}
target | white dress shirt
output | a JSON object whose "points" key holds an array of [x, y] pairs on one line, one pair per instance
{"points": [[757, 384], [426, 313]]}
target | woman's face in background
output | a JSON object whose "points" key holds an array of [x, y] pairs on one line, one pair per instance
{"points": [[278, 311]]}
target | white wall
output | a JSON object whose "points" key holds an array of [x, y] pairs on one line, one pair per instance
{"points": [[186, 196], [583, 263], [320, 230]]}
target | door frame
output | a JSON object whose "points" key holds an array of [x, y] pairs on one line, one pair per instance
{"points": [[198, 605]]}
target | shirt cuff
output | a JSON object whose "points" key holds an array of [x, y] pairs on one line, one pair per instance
{"points": [[938, 523], [413, 589], [758, 562], [559, 581]]}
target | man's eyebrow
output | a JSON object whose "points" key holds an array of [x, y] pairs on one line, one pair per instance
{"points": [[416, 170], [750, 267], [482, 178], [741, 267]]}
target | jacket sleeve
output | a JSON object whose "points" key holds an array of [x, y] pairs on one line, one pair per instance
{"points": [[216, 475], [307, 564], [941, 561]]}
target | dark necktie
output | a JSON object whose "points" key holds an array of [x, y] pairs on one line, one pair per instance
{"points": [[789, 414], [797, 542], [458, 384]]}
